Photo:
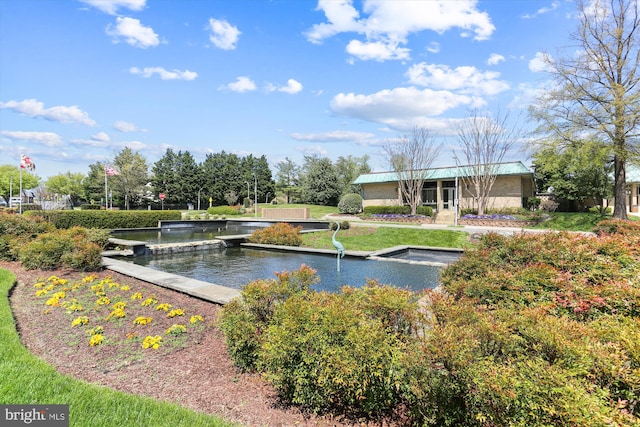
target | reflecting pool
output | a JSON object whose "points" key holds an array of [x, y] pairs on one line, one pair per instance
{"points": [[235, 267]]}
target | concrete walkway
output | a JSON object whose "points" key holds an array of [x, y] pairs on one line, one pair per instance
{"points": [[197, 288]]}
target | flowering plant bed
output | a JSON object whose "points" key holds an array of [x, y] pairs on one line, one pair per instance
{"points": [[496, 220]]}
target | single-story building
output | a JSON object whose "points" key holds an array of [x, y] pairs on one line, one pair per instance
{"points": [[514, 184], [633, 182]]}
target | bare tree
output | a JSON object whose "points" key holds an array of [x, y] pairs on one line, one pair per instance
{"points": [[411, 157], [597, 85], [484, 142]]}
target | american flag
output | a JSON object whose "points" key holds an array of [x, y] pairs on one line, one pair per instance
{"points": [[110, 171], [26, 163]]}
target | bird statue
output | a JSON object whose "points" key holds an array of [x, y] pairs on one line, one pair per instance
{"points": [[339, 246]]}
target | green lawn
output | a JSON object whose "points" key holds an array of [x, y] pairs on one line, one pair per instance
{"points": [[572, 221], [362, 238], [25, 379]]}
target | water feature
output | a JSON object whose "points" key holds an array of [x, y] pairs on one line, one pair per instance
{"points": [[156, 236], [235, 267]]}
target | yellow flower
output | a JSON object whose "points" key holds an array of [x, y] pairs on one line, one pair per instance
{"points": [[96, 340], [119, 305], [176, 312], [163, 306], [52, 278], [137, 295], [195, 319], [89, 279], [78, 321], [41, 292], [141, 320], [103, 301], [54, 301], [98, 330], [149, 301], [176, 330], [152, 342], [124, 288], [39, 285], [117, 313]]}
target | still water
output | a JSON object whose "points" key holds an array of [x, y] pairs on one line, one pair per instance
{"points": [[235, 267]]}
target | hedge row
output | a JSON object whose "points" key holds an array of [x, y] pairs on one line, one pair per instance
{"points": [[398, 210], [106, 219]]}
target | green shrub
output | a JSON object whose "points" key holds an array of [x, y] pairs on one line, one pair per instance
{"points": [[350, 204], [371, 210], [281, 233], [344, 225], [90, 207], [106, 219], [16, 230], [223, 210], [71, 248], [424, 210], [243, 321]]}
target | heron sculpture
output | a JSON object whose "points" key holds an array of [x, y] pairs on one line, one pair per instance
{"points": [[339, 246]]}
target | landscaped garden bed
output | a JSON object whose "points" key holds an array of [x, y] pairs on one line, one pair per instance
{"points": [[497, 220]]}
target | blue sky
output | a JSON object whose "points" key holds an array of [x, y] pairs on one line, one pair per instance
{"points": [[82, 79]]}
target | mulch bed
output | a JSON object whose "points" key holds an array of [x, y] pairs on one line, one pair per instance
{"points": [[198, 375]]}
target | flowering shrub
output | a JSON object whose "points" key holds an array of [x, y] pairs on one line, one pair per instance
{"points": [[281, 233], [490, 217]]}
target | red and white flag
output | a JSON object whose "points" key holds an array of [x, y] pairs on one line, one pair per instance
{"points": [[26, 163], [110, 171]]}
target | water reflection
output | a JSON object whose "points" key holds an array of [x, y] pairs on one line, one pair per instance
{"points": [[235, 267]]}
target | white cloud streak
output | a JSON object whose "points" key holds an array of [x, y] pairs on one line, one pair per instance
{"points": [[293, 86], [122, 126], [223, 34], [62, 114], [464, 79], [148, 72], [133, 33], [242, 84], [49, 139], [111, 6]]}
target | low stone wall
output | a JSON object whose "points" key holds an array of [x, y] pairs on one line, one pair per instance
{"points": [[170, 248], [497, 223], [286, 213]]}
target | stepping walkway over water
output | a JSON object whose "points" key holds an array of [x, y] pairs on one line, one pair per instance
{"points": [[197, 288]]}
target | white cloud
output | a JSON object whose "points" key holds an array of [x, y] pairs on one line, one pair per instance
{"points": [[49, 139], [62, 114], [101, 137], [400, 108], [434, 47], [111, 6], [385, 25], [242, 84], [334, 136], [543, 10], [292, 87], [539, 63], [223, 35], [465, 79], [378, 51], [133, 32], [122, 126], [164, 74], [312, 150], [495, 59]]}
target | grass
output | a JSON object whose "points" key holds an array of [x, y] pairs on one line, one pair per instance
{"points": [[363, 238], [25, 379], [566, 221]]}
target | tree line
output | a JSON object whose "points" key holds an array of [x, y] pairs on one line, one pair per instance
{"points": [[128, 181]]}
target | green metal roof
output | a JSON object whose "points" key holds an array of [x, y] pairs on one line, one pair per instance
{"points": [[633, 173], [445, 173]]}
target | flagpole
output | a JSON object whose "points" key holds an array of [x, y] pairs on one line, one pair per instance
{"points": [[20, 194], [106, 194]]}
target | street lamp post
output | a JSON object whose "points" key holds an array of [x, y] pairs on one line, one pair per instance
{"points": [[266, 199], [199, 197]]}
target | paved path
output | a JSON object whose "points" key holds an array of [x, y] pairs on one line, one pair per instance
{"points": [[197, 288]]}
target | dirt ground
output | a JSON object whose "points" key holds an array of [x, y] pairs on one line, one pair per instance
{"points": [[196, 373]]}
